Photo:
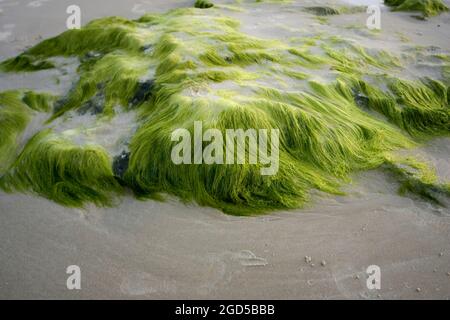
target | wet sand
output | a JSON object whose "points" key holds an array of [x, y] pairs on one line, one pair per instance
{"points": [[173, 250], [170, 250]]}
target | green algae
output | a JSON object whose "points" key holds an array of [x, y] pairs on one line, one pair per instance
{"points": [[203, 4], [25, 63], [417, 178], [192, 65], [17, 109], [14, 116], [323, 11], [63, 172], [419, 109], [427, 7]]}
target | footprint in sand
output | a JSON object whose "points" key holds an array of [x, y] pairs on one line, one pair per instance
{"points": [[223, 267], [249, 259], [143, 283]]}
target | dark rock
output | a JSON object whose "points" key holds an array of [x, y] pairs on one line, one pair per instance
{"points": [[143, 92], [361, 100], [147, 48], [60, 103], [95, 105], [120, 164]]}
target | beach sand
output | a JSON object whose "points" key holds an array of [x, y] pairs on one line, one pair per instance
{"points": [[158, 250]]}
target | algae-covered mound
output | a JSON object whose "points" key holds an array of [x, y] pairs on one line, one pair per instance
{"points": [[322, 11], [138, 81], [427, 7], [203, 4], [330, 11]]}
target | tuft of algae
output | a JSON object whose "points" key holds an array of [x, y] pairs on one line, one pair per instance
{"points": [[417, 178], [330, 11], [322, 11], [427, 7], [203, 4], [189, 65]]}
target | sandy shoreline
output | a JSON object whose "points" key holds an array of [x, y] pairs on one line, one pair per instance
{"points": [[171, 250]]}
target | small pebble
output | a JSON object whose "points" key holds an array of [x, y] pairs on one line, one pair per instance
{"points": [[441, 254], [448, 273], [308, 259], [323, 263], [357, 276], [418, 289]]}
